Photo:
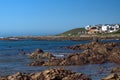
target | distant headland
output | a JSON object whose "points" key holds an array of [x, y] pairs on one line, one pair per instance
{"points": [[101, 31]]}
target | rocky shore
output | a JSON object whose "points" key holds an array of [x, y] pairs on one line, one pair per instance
{"points": [[76, 38], [94, 53], [50, 74]]}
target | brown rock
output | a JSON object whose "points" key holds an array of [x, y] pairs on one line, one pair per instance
{"points": [[115, 58], [39, 54], [112, 77], [50, 74], [93, 45], [37, 63], [115, 70], [18, 76], [98, 53], [39, 51]]}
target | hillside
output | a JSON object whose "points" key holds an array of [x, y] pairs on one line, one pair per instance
{"points": [[73, 32], [117, 32], [113, 33]]}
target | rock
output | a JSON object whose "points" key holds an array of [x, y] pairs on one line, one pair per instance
{"points": [[39, 51], [50, 74], [97, 53], [93, 45], [62, 74], [115, 74], [115, 55], [77, 76], [37, 63], [3, 78], [19, 76], [40, 54], [115, 70], [112, 77], [75, 59]]}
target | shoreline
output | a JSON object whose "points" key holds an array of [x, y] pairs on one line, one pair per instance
{"points": [[74, 38]]}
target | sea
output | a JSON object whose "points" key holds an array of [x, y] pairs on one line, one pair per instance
{"points": [[13, 60]]}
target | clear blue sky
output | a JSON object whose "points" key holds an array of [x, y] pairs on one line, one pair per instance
{"points": [[47, 17]]}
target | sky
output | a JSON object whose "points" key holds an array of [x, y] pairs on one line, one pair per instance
{"points": [[49, 17]]}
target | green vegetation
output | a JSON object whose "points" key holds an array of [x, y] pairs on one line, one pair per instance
{"points": [[73, 32], [117, 32], [77, 32]]}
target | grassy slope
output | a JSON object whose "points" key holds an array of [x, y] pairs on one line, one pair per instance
{"points": [[72, 32], [117, 32]]}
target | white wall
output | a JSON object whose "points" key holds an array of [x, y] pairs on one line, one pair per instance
{"points": [[87, 27], [104, 28]]}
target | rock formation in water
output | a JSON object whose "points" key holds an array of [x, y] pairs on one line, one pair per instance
{"points": [[40, 54], [94, 53]]}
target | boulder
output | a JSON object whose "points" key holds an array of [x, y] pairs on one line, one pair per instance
{"points": [[19, 76], [115, 74], [112, 77], [40, 54], [115, 70]]}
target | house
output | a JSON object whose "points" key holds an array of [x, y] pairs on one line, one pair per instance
{"points": [[94, 30], [110, 28], [105, 28], [114, 28], [87, 27], [102, 28]]}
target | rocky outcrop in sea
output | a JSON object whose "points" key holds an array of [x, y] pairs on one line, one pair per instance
{"points": [[40, 54], [94, 53]]}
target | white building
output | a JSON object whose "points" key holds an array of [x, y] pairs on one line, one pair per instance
{"points": [[113, 28], [105, 28], [110, 28], [88, 27]]}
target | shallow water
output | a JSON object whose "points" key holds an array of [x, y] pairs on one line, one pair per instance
{"points": [[12, 61]]}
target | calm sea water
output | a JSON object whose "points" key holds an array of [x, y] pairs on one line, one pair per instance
{"points": [[12, 61]]}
